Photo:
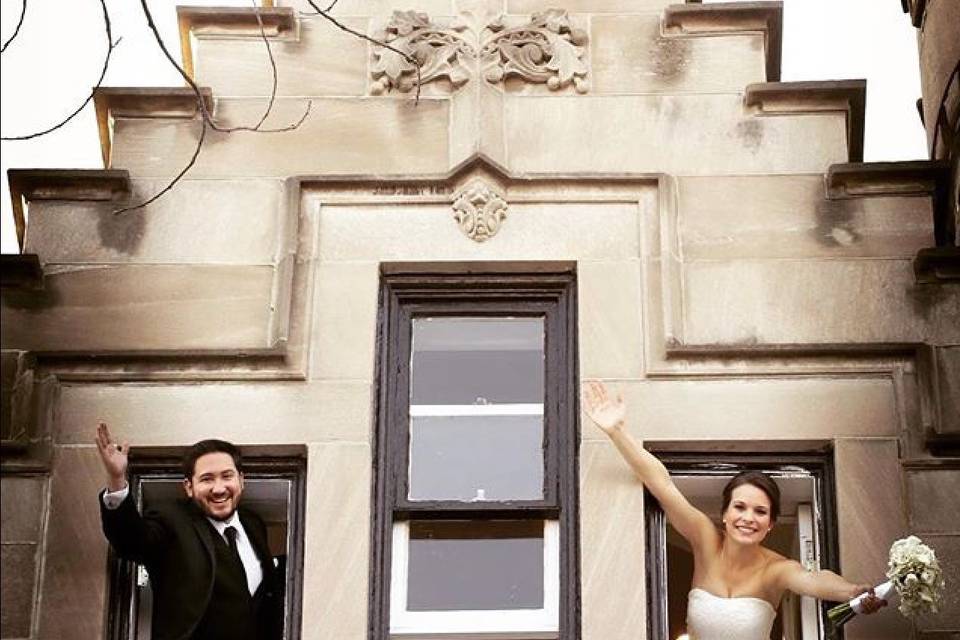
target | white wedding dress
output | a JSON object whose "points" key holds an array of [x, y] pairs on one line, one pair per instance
{"points": [[711, 617]]}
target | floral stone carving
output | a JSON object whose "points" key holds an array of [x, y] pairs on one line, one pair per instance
{"points": [[546, 50], [479, 210]]}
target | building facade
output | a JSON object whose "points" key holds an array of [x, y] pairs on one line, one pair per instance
{"points": [[390, 295]]}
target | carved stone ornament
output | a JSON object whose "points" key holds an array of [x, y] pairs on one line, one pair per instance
{"points": [[479, 210], [546, 50]]}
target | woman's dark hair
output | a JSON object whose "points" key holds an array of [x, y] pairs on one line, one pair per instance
{"points": [[760, 481], [204, 447]]}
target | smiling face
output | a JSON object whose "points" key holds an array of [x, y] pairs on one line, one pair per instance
{"points": [[748, 518], [216, 485]]}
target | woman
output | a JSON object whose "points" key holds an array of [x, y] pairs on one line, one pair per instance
{"points": [[737, 583]]}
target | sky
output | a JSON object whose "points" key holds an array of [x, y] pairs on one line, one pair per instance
{"points": [[57, 57]]}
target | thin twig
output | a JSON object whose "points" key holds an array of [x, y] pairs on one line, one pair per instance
{"points": [[363, 36], [332, 5], [106, 63], [273, 66], [23, 12], [183, 172]]}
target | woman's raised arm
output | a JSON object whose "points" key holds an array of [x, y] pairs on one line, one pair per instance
{"points": [[609, 413]]}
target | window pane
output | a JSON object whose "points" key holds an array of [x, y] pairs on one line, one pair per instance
{"points": [[491, 457], [477, 361], [475, 565]]}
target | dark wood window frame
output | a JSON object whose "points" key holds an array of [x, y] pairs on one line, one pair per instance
{"points": [[819, 465], [476, 290], [166, 464]]}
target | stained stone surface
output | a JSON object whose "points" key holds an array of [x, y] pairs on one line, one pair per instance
{"points": [[870, 515], [17, 580], [628, 55], [337, 561], [74, 581], [933, 496], [22, 503], [947, 548]]}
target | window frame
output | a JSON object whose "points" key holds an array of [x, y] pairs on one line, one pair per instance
{"points": [[407, 291], [122, 575], [818, 464]]}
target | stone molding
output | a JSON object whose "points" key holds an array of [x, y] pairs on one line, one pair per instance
{"points": [[143, 102], [26, 443], [790, 98], [547, 49], [234, 22], [866, 179], [479, 210], [731, 17]]}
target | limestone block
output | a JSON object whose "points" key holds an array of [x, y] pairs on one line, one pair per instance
{"points": [[18, 573], [739, 217], [324, 61], [531, 231], [22, 503], [798, 301], [340, 136], [149, 308], [336, 542], [947, 548], [681, 134], [345, 321], [222, 222], [245, 413], [73, 590], [610, 319], [933, 496], [870, 516], [756, 409], [612, 546], [628, 54]]}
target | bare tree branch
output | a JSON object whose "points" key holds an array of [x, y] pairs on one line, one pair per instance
{"points": [[106, 63], [331, 5], [363, 36], [23, 12], [183, 172]]}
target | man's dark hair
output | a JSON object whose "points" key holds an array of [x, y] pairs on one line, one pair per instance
{"points": [[759, 480], [204, 447]]}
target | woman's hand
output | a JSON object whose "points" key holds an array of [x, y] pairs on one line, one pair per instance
{"points": [[871, 603], [114, 458], [606, 411]]}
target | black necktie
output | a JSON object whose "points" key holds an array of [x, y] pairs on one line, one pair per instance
{"points": [[232, 533]]}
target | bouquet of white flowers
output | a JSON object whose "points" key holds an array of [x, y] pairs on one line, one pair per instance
{"points": [[914, 576]]}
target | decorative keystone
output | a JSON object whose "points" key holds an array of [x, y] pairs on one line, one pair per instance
{"points": [[546, 50], [479, 210]]}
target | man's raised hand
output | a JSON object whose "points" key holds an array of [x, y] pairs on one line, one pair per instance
{"points": [[114, 458]]}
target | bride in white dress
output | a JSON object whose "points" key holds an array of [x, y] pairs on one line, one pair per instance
{"points": [[737, 583]]}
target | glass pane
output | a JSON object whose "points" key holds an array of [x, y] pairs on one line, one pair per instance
{"points": [[475, 565], [477, 361], [491, 457]]}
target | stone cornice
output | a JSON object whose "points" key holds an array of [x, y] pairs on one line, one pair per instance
{"points": [[63, 184], [847, 96], [143, 102], [233, 22], [731, 17], [865, 179]]}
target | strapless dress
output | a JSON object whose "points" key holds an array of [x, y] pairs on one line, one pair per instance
{"points": [[710, 617]]}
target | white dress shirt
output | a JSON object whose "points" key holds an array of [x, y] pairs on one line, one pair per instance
{"points": [[251, 564]]}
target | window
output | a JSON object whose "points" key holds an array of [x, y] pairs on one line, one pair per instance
{"points": [[273, 488], [804, 531], [476, 469]]}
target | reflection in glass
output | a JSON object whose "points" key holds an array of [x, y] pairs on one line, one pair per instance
{"points": [[487, 457], [477, 361], [475, 565]]}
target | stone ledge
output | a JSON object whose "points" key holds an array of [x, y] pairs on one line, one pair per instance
{"points": [[21, 271], [143, 102], [847, 96], [234, 22], [694, 19], [62, 184], [937, 265], [866, 179]]}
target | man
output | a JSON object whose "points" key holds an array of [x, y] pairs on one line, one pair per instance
{"points": [[209, 564]]}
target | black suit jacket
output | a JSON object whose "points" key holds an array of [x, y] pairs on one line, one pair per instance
{"points": [[176, 544]]}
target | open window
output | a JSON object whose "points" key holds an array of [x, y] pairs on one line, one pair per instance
{"points": [[273, 489], [804, 531], [475, 482]]}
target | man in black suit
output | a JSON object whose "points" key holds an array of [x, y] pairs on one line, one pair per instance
{"points": [[209, 564]]}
